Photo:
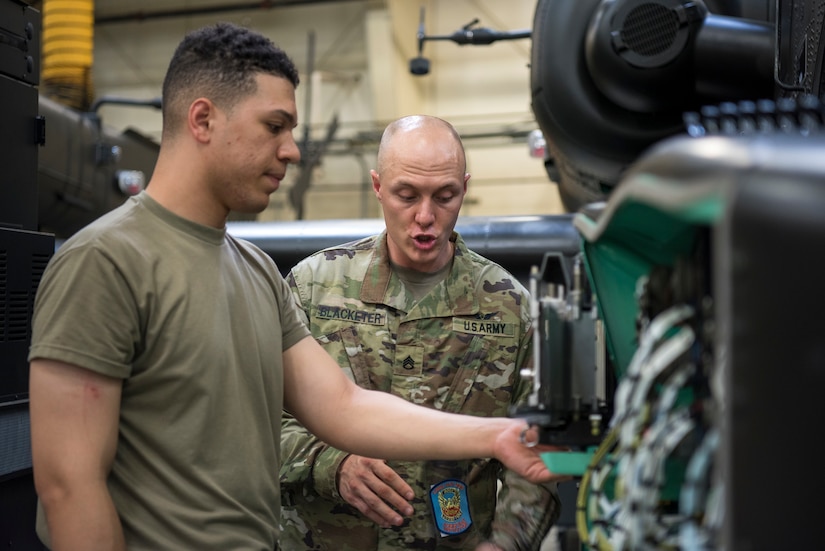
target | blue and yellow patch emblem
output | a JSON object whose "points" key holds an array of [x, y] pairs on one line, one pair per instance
{"points": [[451, 508]]}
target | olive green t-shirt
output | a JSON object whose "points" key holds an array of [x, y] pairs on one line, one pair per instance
{"points": [[194, 322]]}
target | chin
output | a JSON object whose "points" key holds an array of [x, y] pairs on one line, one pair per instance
{"points": [[249, 208]]}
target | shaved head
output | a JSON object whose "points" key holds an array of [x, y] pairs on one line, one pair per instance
{"points": [[406, 135], [420, 179]]}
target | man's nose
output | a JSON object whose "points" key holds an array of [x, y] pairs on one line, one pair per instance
{"points": [[425, 215], [289, 151]]}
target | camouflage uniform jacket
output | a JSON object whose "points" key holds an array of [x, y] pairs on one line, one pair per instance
{"points": [[458, 349]]}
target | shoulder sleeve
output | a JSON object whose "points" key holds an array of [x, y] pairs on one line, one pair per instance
{"points": [[525, 512], [86, 313], [293, 320], [524, 354], [299, 293]]}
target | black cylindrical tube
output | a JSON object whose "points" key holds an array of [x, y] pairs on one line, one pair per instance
{"points": [[734, 58]]}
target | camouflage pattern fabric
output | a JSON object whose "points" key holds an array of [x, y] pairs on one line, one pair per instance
{"points": [[459, 349]]}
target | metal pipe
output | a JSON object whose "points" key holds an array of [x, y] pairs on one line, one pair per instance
{"points": [[734, 58], [515, 242]]}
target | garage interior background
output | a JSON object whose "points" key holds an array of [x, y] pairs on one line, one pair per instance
{"points": [[359, 76]]}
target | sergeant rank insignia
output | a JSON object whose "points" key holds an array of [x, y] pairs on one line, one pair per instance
{"points": [[451, 508]]}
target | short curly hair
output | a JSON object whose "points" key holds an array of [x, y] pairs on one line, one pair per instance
{"points": [[219, 62]]}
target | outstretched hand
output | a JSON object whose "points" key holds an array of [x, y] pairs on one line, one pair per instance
{"points": [[515, 448], [376, 490]]}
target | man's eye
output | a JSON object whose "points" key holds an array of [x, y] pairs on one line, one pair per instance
{"points": [[275, 128]]}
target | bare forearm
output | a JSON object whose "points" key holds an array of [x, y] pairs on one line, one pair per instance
{"points": [[74, 427], [380, 425], [377, 424], [372, 423], [82, 518]]}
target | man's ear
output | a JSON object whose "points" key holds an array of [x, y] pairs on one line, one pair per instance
{"points": [[376, 183], [200, 119]]}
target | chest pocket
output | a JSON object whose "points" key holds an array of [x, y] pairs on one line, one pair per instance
{"points": [[349, 352], [440, 379]]}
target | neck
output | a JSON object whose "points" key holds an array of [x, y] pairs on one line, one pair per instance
{"points": [[181, 188]]}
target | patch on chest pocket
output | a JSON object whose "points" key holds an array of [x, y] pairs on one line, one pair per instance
{"points": [[409, 360]]}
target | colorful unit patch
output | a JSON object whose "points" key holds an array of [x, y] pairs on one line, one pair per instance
{"points": [[451, 508]]}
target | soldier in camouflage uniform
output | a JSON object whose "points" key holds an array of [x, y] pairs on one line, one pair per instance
{"points": [[414, 313]]}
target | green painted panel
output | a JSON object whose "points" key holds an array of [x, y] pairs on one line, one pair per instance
{"points": [[636, 232]]}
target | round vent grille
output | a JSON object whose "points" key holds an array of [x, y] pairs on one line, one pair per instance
{"points": [[650, 29]]}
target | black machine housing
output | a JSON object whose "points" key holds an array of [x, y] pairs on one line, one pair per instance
{"points": [[687, 94], [632, 67], [24, 253]]}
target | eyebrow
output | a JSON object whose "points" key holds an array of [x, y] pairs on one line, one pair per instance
{"points": [[451, 186], [290, 118]]}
